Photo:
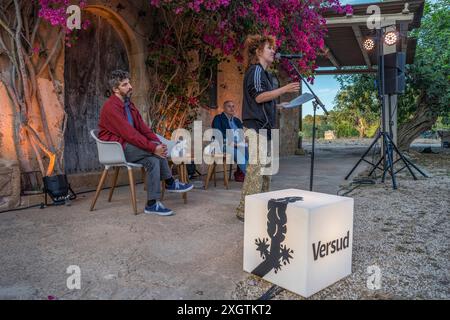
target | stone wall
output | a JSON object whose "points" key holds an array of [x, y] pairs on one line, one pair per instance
{"points": [[9, 184], [127, 18], [230, 79], [7, 146], [288, 122]]}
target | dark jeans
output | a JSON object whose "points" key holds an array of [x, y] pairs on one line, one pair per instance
{"points": [[157, 169]]}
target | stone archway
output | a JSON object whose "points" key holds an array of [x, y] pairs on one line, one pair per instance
{"points": [[135, 48], [107, 45]]}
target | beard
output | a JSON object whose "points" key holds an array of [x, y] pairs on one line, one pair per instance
{"points": [[126, 94]]}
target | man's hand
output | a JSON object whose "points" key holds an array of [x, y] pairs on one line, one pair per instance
{"points": [[293, 87], [161, 150]]}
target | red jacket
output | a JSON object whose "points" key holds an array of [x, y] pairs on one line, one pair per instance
{"points": [[114, 126]]}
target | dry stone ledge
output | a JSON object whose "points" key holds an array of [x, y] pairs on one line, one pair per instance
{"points": [[9, 184]]}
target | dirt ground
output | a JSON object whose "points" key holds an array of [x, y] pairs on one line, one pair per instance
{"points": [[197, 254], [406, 233]]}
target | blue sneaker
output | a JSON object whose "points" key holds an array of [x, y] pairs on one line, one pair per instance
{"points": [[179, 187], [158, 209]]}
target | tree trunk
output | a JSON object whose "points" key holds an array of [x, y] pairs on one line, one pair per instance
{"points": [[422, 120], [361, 128], [22, 83]]}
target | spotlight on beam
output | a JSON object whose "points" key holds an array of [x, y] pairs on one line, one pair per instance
{"points": [[369, 44], [390, 38]]}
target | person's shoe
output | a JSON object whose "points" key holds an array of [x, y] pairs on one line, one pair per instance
{"points": [[179, 187], [239, 176], [158, 209]]}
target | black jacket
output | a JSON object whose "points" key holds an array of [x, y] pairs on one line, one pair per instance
{"points": [[257, 115], [220, 122]]}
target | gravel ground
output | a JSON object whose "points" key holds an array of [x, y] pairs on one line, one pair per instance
{"points": [[404, 232], [338, 143]]}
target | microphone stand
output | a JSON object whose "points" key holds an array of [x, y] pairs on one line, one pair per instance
{"points": [[316, 103]]}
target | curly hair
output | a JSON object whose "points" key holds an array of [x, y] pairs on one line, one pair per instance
{"points": [[253, 43], [116, 77]]}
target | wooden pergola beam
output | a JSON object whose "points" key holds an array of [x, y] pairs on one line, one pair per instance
{"points": [[360, 40], [403, 37], [345, 71], [361, 20], [329, 54]]}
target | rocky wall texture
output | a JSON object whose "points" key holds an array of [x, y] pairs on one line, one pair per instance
{"points": [[9, 184]]}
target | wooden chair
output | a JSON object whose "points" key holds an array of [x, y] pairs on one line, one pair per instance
{"points": [[179, 163], [182, 176], [215, 159]]}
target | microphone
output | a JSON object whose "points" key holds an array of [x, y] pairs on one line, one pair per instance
{"points": [[288, 56]]}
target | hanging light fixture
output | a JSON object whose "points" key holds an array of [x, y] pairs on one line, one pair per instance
{"points": [[390, 38], [369, 44]]}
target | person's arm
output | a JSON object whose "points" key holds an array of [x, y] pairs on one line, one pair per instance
{"points": [[238, 123], [259, 91], [217, 124], [122, 128], [145, 130], [274, 94]]}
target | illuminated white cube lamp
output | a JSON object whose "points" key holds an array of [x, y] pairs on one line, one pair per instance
{"points": [[300, 245]]}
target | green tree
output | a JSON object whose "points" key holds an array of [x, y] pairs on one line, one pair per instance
{"points": [[427, 94], [356, 104], [428, 80], [322, 124]]}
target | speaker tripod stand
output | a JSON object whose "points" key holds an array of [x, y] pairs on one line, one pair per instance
{"points": [[387, 159], [389, 149]]}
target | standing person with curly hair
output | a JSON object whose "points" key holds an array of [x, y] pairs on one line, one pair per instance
{"points": [[259, 106]]}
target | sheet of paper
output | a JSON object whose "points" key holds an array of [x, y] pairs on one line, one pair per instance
{"points": [[299, 101]]}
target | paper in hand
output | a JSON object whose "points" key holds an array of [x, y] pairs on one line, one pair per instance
{"points": [[298, 101]]}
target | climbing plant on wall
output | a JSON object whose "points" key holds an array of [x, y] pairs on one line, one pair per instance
{"points": [[192, 37], [189, 39]]}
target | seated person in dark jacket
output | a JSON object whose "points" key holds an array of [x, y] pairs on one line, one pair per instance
{"points": [[227, 121]]}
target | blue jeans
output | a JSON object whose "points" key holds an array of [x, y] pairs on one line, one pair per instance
{"points": [[240, 156], [157, 169]]}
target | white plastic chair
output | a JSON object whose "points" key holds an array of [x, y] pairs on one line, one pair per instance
{"points": [[111, 155]]}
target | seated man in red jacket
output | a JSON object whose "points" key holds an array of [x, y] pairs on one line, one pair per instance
{"points": [[121, 121]]}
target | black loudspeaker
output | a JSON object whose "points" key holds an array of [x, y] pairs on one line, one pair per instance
{"points": [[58, 188], [394, 73]]}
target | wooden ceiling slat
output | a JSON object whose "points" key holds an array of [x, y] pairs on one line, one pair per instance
{"points": [[345, 41]]}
